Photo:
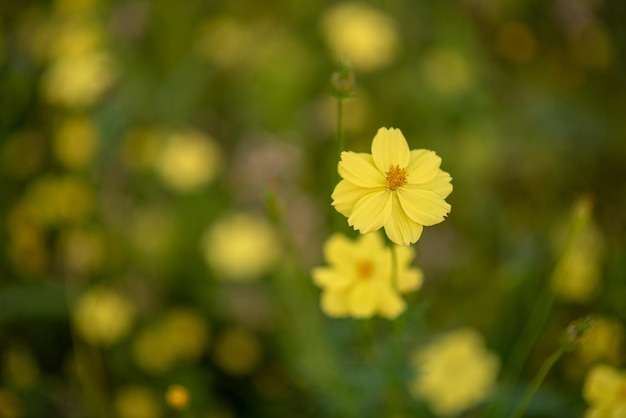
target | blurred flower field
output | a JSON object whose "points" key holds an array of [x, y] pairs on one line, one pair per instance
{"points": [[204, 214]]}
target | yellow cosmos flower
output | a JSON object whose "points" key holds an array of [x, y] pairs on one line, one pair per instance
{"points": [[359, 283], [455, 372], [394, 187]]}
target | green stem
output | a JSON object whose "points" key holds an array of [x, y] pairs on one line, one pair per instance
{"points": [[536, 383], [341, 140]]}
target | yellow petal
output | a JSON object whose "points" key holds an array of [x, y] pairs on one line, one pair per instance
{"points": [[601, 384], [390, 304], [331, 279], [400, 229], [346, 195], [410, 280], [363, 299], [423, 166], [371, 212], [440, 184], [423, 206], [389, 148], [334, 303], [359, 169], [339, 252]]}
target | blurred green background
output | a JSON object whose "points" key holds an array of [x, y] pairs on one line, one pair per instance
{"points": [[166, 170]]}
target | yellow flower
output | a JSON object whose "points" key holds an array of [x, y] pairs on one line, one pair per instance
{"points": [[241, 247], [396, 188], [605, 391], [103, 316], [359, 282], [361, 34], [456, 372]]}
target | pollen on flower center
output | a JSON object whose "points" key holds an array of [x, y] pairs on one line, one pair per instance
{"points": [[396, 177], [364, 269]]}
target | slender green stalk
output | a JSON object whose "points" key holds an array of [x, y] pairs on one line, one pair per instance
{"points": [[341, 140], [536, 383]]}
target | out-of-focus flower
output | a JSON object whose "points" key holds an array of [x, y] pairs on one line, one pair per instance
{"points": [[76, 142], [241, 247], [360, 34], [226, 41], [51, 200], [26, 242], [455, 372], [577, 275], [605, 391], [446, 71], [396, 188], [137, 402], [79, 81], [189, 160], [603, 342], [103, 316], [177, 396], [237, 351], [10, 404], [19, 367], [180, 335], [359, 281]]}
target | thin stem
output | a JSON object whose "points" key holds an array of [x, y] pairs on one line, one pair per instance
{"points": [[341, 140], [536, 383]]}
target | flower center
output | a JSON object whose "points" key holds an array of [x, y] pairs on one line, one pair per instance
{"points": [[364, 269], [396, 177]]}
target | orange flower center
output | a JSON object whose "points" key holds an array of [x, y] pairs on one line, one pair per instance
{"points": [[364, 269], [396, 177]]}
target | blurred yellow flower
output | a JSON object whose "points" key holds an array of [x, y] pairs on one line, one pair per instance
{"points": [[577, 274], [359, 280], [11, 405], [237, 351], [75, 142], [604, 341], [180, 335], [189, 160], [454, 372], [58, 199], [446, 71], [226, 41], [241, 247], [103, 316], [360, 34], [19, 367], [396, 188], [79, 81], [605, 391], [177, 396], [135, 401]]}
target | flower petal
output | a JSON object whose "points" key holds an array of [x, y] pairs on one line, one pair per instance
{"points": [[423, 206], [390, 304], [359, 169], [340, 252], [423, 166], [363, 299], [371, 212], [389, 148], [410, 280], [400, 228], [346, 195], [327, 278], [334, 303], [440, 184]]}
